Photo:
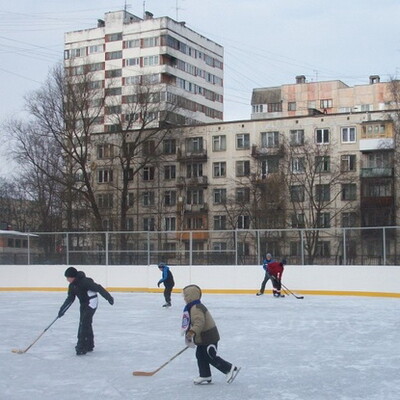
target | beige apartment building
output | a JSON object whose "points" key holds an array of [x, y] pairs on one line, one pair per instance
{"points": [[324, 97], [255, 185]]}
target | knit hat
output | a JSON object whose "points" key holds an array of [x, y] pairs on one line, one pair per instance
{"points": [[71, 272]]}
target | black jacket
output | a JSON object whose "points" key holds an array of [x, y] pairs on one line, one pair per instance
{"points": [[85, 289]]}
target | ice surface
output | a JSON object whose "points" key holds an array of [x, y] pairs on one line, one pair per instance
{"points": [[319, 348]]}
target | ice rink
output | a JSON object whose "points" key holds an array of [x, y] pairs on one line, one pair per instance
{"points": [[318, 348]]}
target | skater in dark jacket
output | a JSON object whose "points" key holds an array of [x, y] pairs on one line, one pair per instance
{"points": [[268, 259], [86, 290], [200, 331], [168, 280], [275, 270]]}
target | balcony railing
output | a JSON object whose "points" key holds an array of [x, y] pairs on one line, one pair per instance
{"points": [[376, 172]]}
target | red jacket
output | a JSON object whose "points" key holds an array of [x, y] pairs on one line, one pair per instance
{"points": [[275, 269]]}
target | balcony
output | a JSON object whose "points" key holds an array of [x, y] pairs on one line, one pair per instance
{"points": [[194, 181], [192, 156], [259, 152], [195, 208], [376, 172]]}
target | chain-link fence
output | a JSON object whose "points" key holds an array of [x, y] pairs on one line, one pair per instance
{"points": [[336, 246]]}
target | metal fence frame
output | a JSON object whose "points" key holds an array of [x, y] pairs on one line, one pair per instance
{"points": [[332, 246]]}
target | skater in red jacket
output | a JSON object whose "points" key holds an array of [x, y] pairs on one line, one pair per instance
{"points": [[275, 270]]}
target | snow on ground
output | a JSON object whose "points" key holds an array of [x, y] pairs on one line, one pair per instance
{"points": [[318, 348]]}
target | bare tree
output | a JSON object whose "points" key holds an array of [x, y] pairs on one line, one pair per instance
{"points": [[319, 191]]}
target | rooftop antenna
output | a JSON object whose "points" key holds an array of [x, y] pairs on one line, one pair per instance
{"points": [[144, 7], [177, 8], [126, 6]]}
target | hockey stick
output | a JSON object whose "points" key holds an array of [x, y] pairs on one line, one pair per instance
{"points": [[24, 351], [289, 291], [143, 373]]}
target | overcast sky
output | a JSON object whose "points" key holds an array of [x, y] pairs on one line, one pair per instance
{"points": [[266, 42]]}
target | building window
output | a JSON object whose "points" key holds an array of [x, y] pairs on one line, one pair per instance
{"points": [[116, 91], [104, 175], [275, 107], [326, 103], [129, 224], [105, 151], [258, 108], [98, 48], [194, 223], [348, 163], [348, 134], [112, 110], [219, 143], [114, 55], [298, 221], [243, 249], [322, 136], [131, 62], [297, 165], [194, 170], [243, 222], [269, 166], [269, 139], [148, 173], [323, 249], [297, 137], [194, 196], [219, 222], [383, 189], [169, 146], [349, 191], [219, 246], [219, 169], [148, 198], [150, 60], [322, 164], [170, 223], [322, 192], [148, 224], [242, 141], [148, 148], [150, 42], [194, 145], [219, 196], [169, 172], [113, 73], [324, 220], [291, 106], [131, 199], [113, 37], [297, 193], [170, 198], [242, 168], [129, 44], [349, 219], [105, 200], [295, 249], [242, 195]]}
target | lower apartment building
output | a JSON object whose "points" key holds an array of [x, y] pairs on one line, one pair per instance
{"points": [[298, 187]]}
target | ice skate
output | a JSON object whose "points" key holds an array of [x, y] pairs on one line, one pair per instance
{"points": [[200, 380], [231, 375], [167, 305], [259, 294]]}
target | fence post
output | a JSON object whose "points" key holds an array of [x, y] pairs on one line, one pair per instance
{"points": [[259, 257], [236, 248], [67, 249], [302, 246], [148, 248], [384, 245], [107, 260], [344, 247], [190, 248]]}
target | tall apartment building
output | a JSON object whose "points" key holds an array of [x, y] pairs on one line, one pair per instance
{"points": [[124, 52], [325, 97]]}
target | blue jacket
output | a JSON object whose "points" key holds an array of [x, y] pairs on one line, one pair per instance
{"points": [[266, 262], [167, 278]]}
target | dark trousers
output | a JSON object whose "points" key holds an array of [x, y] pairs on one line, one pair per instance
{"points": [[167, 293], [276, 283], [85, 330], [206, 356], [264, 282]]}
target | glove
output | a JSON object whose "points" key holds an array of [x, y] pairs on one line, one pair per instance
{"points": [[111, 300], [189, 338], [158, 283]]}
